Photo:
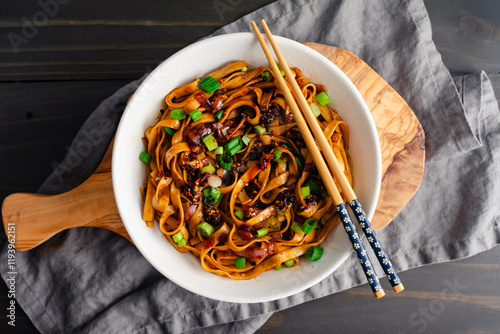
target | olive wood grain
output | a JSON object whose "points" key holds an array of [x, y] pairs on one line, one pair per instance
{"points": [[401, 136], [38, 217]]}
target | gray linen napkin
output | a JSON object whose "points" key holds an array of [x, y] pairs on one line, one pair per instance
{"points": [[92, 281]]}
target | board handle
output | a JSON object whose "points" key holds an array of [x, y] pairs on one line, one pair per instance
{"points": [[31, 219]]}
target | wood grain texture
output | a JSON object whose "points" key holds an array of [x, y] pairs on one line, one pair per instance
{"points": [[400, 133], [38, 217], [401, 139]]}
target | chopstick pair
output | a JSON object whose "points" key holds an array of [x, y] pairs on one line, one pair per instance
{"points": [[325, 173]]}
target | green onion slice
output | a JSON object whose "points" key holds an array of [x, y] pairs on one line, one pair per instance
{"points": [[323, 98], [234, 150], [296, 228], [182, 242], [281, 69], [178, 236], [261, 232], [145, 157], [314, 253], [195, 115], [208, 169], [289, 263], [219, 150], [209, 84], [279, 267], [300, 162], [205, 229], [277, 154], [178, 114], [219, 114], [226, 161], [259, 129], [305, 191], [169, 131], [239, 214], [288, 147], [210, 142], [309, 225], [267, 76], [231, 144], [315, 109], [246, 140], [314, 186], [211, 195], [240, 263]]}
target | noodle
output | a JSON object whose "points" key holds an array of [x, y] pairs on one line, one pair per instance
{"points": [[246, 209]]}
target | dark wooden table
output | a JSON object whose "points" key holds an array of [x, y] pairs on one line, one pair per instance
{"points": [[57, 63]]}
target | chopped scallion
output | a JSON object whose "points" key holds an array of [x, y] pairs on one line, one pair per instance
{"points": [[226, 161], [289, 263], [231, 144], [178, 114], [309, 225], [219, 150], [288, 147], [277, 154], [281, 69], [323, 98], [211, 195], [315, 109], [169, 131], [246, 140], [279, 267], [208, 169], [182, 242], [259, 129], [296, 228], [305, 191], [244, 69], [219, 114], [300, 162], [178, 236], [210, 142], [314, 187], [239, 214], [267, 76], [145, 157], [240, 263], [261, 232], [314, 253], [196, 115], [205, 229], [209, 84], [234, 150]]}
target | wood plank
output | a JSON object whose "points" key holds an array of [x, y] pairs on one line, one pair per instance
{"points": [[37, 123], [75, 41], [438, 299]]}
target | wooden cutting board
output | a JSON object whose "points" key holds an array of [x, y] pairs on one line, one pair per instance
{"points": [[93, 204]]}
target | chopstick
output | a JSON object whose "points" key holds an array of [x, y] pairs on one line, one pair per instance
{"points": [[324, 172], [353, 201]]}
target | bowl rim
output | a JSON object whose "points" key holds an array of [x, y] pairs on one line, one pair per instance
{"points": [[116, 166]]}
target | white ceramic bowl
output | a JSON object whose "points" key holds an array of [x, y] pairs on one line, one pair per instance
{"points": [[128, 174]]}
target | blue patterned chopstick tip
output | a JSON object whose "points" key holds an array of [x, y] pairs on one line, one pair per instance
{"points": [[371, 276], [374, 242]]}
